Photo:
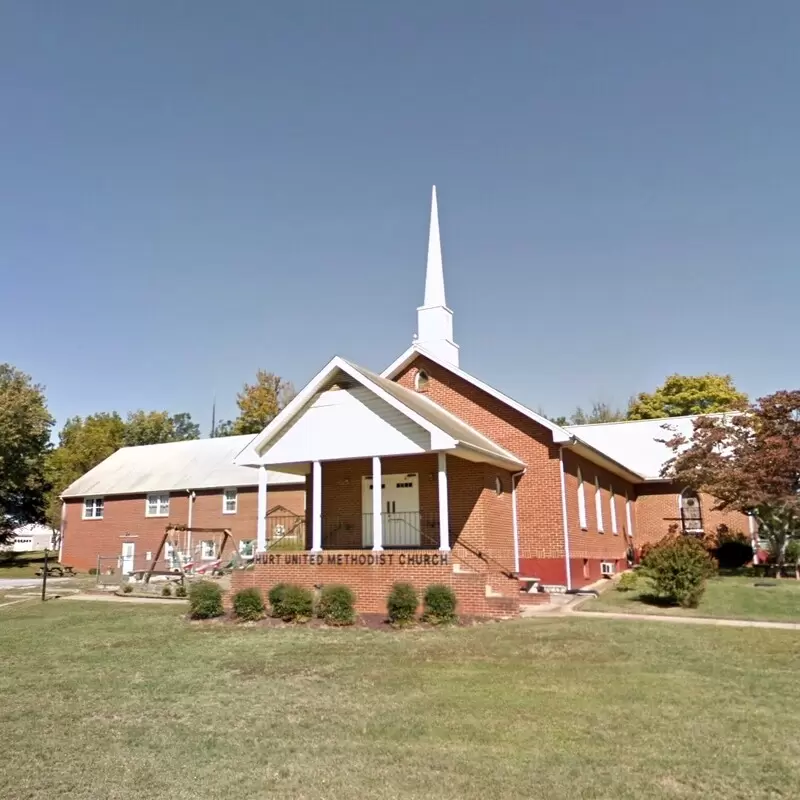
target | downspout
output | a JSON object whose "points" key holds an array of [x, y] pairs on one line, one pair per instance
{"points": [[514, 517], [564, 519], [191, 494]]}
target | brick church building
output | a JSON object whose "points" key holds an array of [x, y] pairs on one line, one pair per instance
{"points": [[422, 473]]}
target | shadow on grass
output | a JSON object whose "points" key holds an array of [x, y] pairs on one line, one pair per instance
{"points": [[657, 601]]}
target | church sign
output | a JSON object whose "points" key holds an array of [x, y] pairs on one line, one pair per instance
{"points": [[353, 559]]}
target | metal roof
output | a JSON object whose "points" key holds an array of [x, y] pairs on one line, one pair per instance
{"points": [[175, 466], [634, 444]]}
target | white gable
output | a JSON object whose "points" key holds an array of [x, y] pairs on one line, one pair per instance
{"points": [[347, 423]]}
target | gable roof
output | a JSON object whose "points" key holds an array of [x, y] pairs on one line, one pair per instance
{"points": [[447, 431], [634, 443], [174, 466], [560, 435]]}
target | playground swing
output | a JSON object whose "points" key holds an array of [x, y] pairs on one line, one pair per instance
{"points": [[205, 565]]}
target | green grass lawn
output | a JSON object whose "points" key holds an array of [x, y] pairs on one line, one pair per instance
{"points": [[113, 701], [731, 597]]}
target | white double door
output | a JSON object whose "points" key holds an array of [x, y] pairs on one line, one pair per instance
{"points": [[400, 510]]}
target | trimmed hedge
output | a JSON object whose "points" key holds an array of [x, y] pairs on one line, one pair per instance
{"points": [[297, 604], [127, 588], [337, 605], [248, 604], [205, 600], [402, 604], [166, 591], [275, 597], [439, 604], [180, 591]]}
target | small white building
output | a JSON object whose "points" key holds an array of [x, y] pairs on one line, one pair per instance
{"points": [[30, 538]]}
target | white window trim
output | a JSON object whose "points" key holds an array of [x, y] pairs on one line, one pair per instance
{"points": [[607, 568], [225, 509], [614, 528], [203, 556], [160, 510], [582, 502], [94, 499], [598, 505]]}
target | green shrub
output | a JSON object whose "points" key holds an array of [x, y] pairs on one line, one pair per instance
{"points": [[127, 588], [205, 600], [93, 571], [439, 604], [167, 591], [628, 581], [248, 604], [297, 604], [402, 604], [337, 605], [275, 597], [678, 567], [180, 591]]}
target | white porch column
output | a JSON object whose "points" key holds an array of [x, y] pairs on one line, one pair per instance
{"points": [[316, 507], [377, 505], [444, 510], [261, 515]]}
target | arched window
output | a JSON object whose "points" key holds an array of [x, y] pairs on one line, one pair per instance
{"points": [[581, 501], [691, 512], [421, 381], [498, 485]]}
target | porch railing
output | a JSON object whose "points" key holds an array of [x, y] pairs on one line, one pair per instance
{"points": [[401, 529]]}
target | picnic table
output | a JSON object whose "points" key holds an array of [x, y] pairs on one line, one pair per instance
{"points": [[56, 570]]}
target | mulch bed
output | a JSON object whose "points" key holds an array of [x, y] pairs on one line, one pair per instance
{"points": [[373, 622]]}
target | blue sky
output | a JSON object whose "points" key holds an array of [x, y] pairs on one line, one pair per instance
{"points": [[190, 191]]}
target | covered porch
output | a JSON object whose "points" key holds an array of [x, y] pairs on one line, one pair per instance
{"points": [[385, 468]]}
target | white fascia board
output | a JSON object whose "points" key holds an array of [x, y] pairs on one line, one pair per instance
{"points": [[560, 436], [487, 456], [601, 459], [251, 455]]}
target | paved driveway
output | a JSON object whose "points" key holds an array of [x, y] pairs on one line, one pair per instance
{"points": [[25, 583]]}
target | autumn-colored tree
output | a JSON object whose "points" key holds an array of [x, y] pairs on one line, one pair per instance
{"points": [[259, 403], [25, 425], [681, 395], [749, 461], [157, 427]]}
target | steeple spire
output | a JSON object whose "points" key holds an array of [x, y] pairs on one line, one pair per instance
{"points": [[434, 277], [434, 318]]}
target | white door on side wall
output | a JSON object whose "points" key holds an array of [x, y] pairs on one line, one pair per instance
{"points": [[128, 556]]}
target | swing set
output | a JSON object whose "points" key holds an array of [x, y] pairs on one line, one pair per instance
{"points": [[182, 557]]}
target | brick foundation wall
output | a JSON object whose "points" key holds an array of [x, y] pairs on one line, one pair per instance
{"points": [[371, 576], [124, 520]]}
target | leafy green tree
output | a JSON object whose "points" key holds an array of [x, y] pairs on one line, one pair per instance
{"points": [[83, 444], [157, 427], [681, 395], [600, 412], [25, 425]]}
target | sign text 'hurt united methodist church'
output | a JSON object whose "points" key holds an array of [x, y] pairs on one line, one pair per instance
{"points": [[353, 559]]}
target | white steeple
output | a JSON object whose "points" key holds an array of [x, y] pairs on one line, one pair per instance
{"points": [[434, 318]]}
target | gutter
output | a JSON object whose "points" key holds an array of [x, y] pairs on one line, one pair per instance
{"points": [[564, 519], [514, 517]]}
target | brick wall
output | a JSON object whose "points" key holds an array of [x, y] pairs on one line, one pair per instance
{"points": [[658, 509], [124, 520], [539, 490]]}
